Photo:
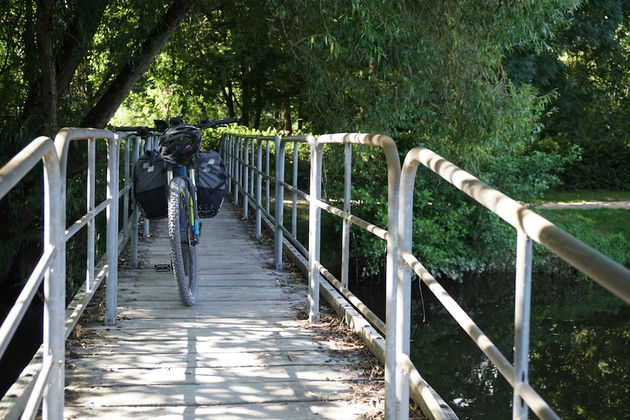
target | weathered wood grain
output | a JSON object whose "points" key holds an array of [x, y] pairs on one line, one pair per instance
{"points": [[238, 353]]}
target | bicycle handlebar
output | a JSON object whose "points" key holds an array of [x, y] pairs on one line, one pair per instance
{"points": [[202, 125], [140, 130], [208, 123]]}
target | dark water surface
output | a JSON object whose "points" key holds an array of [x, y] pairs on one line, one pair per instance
{"points": [[579, 351]]}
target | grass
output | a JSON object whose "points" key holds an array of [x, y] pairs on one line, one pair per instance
{"points": [[586, 195], [607, 230]]}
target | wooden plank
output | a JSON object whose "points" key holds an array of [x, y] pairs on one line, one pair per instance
{"points": [[238, 353], [207, 394], [311, 410], [85, 376], [199, 347], [224, 359]]}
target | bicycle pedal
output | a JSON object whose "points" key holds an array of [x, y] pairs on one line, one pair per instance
{"points": [[162, 267]]}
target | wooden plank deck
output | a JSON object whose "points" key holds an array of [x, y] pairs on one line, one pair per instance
{"points": [[240, 352]]}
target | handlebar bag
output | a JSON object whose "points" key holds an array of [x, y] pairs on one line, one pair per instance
{"points": [[210, 177], [149, 185]]}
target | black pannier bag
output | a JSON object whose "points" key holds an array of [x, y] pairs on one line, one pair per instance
{"points": [[149, 185], [210, 177]]}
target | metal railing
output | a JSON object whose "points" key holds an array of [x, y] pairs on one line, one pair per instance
{"points": [[401, 376], [246, 183], [48, 380], [529, 226]]}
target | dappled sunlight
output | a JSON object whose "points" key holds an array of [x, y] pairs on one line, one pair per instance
{"points": [[238, 352]]}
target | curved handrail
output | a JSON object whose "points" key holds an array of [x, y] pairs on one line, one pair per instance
{"points": [[608, 273], [42, 148], [242, 157], [49, 375], [62, 144], [528, 224]]}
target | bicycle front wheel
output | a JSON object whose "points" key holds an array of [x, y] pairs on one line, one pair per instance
{"points": [[183, 249]]}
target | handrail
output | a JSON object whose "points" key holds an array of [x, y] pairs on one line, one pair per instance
{"points": [[529, 225], [42, 148], [239, 151], [393, 182], [62, 143], [49, 378], [244, 161]]}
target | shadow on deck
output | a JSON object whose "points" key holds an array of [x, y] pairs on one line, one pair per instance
{"points": [[240, 352]]}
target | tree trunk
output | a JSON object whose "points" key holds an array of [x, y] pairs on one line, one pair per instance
{"points": [[228, 98], [287, 126], [48, 88], [87, 16], [120, 87]]}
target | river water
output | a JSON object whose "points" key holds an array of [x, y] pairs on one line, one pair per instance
{"points": [[579, 352]]}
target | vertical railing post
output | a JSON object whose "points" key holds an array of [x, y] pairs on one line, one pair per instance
{"points": [[237, 169], [126, 172], [522, 308], [294, 183], [314, 232], [267, 180], [259, 151], [54, 289], [112, 231], [91, 202], [252, 171], [279, 204], [403, 285], [146, 224], [245, 179], [133, 258], [232, 162], [393, 322], [345, 233], [226, 152]]}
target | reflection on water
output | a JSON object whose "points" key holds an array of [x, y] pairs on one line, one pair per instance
{"points": [[579, 352]]}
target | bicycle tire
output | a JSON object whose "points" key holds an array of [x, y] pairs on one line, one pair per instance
{"points": [[183, 251]]}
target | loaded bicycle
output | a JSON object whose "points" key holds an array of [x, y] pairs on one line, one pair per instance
{"points": [[178, 182]]}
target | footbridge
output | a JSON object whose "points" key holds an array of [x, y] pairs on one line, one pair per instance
{"points": [[254, 346]]}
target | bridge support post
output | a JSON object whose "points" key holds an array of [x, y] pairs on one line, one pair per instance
{"points": [[133, 258], [226, 153], [279, 204], [259, 152], [267, 180], [252, 171], [54, 292], [522, 308], [294, 182], [314, 231], [245, 179], [237, 169], [345, 233], [91, 202], [112, 231], [126, 175]]}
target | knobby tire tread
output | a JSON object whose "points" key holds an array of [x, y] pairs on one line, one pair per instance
{"points": [[183, 253]]}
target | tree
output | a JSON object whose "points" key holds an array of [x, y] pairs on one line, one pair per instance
{"points": [[67, 64], [585, 68], [428, 73], [227, 60]]}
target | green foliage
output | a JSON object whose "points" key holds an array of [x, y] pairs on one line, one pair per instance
{"points": [[586, 66], [586, 195], [212, 138], [606, 230], [226, 60]]}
